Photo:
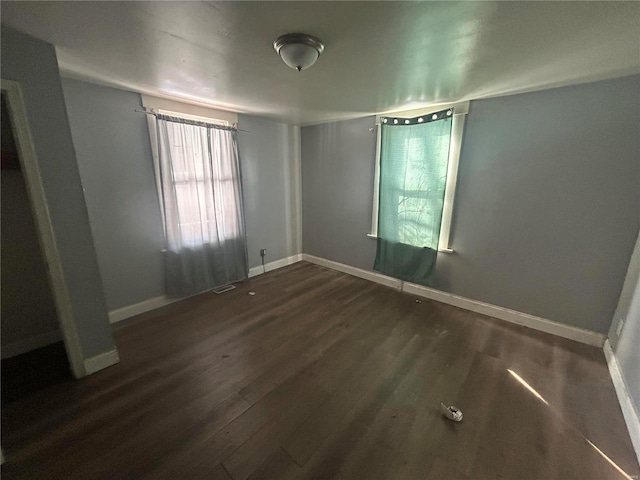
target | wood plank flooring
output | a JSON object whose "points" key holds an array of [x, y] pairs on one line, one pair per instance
{"points": [[321, 375]]}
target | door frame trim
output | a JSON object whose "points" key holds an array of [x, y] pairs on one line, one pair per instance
{"points": [[40, 209]]}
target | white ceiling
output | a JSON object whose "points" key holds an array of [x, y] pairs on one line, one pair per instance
{"points": [[379, 56]]}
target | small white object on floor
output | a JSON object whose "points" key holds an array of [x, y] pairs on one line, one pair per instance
{"points": [[252, 293], [418, 301], [452, 413]]}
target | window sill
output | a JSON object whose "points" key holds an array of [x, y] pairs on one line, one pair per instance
{"points": [[440, 250]]}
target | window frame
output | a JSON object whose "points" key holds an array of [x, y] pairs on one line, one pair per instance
{"points": [[197, 118], [460, 111], [186, 111]]}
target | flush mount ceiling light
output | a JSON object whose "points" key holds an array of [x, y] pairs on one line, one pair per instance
{"points": [[298, 50]]}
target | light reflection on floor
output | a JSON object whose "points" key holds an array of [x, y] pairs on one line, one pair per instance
{"points": [[526, 385], [540, 397]]}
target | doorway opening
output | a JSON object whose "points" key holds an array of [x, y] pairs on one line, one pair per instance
{"points": [[33, 353], [26, 184]]}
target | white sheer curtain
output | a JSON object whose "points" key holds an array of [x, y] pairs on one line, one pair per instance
{"points": [[201, 197]]}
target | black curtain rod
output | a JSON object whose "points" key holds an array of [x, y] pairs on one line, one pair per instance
{"points": [[222, 127]]}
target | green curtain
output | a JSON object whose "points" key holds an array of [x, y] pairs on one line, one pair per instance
{"points": [[414, 154]]}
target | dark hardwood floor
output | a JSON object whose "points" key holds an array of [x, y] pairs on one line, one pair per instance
{"points": [[323, 375]]}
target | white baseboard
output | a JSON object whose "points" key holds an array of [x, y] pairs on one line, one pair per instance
{"points": [[31, 343], [99, 362], [161, 301], [283, 262], [537, 323], [356, 272], [549, 326], [141, 307], [513, 316], [629, 410]]}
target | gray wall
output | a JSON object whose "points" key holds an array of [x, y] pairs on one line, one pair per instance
{"points": [[116, 166], [337, 191], [547, 207], [28, 309], [267, 153], [33, 64], [626, 346]]}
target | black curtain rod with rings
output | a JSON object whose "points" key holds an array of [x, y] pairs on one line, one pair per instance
{"points": [[192, 122]]}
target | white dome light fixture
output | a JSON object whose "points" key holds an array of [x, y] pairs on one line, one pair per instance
{"points": [[298, 50]]}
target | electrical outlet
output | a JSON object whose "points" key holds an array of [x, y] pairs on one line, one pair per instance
{"points": [[263, 252]]}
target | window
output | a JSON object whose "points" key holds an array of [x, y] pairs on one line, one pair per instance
{"points": [[203, 185], [197, 169], [196, 118], [192, 184], [411, 205]]}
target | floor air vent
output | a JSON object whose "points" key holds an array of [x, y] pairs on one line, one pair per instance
{"points": [[222, 289]]}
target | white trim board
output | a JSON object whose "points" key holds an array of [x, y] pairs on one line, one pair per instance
{"points": [[631, 416], [101, 361], [31, 343], [129, 311], [513, 316], [188, 108], [356, 272], [268, 267], [537, 323], [46, 236]]}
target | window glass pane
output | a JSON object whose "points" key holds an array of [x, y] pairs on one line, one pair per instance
{"points": [[413, 169]]}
